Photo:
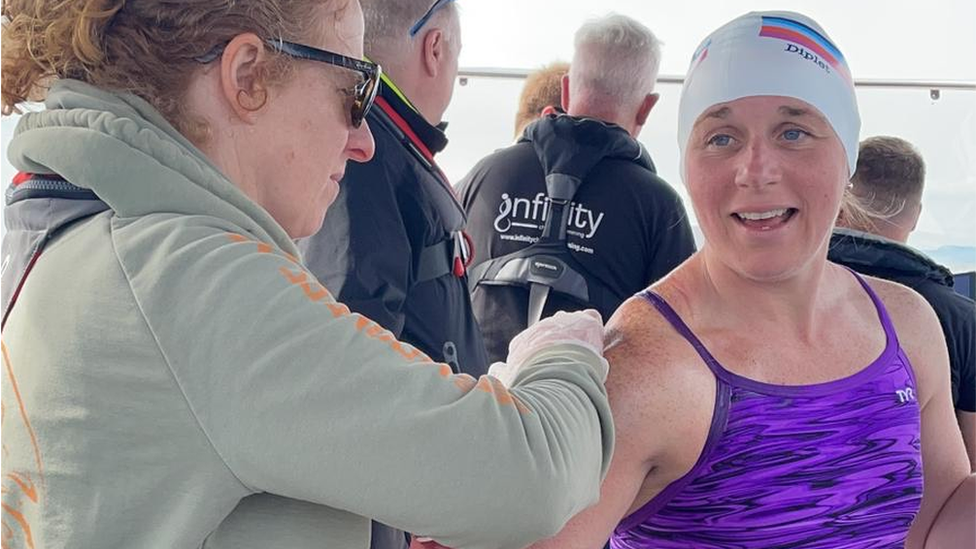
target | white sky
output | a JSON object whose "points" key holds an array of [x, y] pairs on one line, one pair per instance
{"points": [[903, 39]]}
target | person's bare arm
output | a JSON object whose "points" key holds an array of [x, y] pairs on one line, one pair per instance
{"points": [[967, 424], [948, 500], [652, 401]]}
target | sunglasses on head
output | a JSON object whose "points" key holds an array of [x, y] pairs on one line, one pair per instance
{"points": [[365, 91], [427, 15]]}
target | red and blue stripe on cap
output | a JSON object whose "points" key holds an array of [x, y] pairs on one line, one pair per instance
{"points": [[802, 35]]}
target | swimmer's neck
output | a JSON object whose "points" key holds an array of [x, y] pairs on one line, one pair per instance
{"points": [[796, 302]]}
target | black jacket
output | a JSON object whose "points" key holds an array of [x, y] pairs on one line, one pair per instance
{"points": [[370, 248], [627, 227], [882, 258]]}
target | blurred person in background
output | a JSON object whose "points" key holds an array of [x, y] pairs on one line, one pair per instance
{"points": [[542, 94], [626, 228], [888, 184], [392, 247]]}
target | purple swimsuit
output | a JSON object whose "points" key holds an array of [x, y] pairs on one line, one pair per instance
{"points": [[830, 465]]}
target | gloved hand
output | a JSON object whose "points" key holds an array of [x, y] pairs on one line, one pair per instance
{"points": [[584, 328]]}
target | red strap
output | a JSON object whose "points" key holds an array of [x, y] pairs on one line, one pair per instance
{"points": [[405, 128], [459, 265], [414, 139], [21, 177]]}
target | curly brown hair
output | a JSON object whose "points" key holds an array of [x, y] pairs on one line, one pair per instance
{"points": [[144, 47]]}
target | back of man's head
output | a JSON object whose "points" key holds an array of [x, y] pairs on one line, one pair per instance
{"points": [[613, 71], [888, 184], [543, 88], [417, 42]]}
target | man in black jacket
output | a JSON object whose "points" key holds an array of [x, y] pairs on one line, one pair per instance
{"points": [[626, 227], [391, 246], [888, 184]]}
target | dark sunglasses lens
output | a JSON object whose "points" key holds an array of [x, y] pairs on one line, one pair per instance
{"points": [[365, 96]]}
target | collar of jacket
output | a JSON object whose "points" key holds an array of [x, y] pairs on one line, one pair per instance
{"points": [[121, 148], [432, 138], [877, 253]]}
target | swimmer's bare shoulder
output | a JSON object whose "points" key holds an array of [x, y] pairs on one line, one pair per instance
{"points": [[662, 398], [661, 393], [919, 333]]}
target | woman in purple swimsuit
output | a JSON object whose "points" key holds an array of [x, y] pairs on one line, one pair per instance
{"points": [[763, 396]]}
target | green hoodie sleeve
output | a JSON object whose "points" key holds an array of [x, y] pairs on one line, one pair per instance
{"points": [[303, 399]]}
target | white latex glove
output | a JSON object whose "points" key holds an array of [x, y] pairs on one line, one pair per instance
{"points": [[584, 328]]}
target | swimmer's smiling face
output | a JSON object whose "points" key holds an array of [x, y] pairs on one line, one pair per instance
{"points": [[766, 175]]}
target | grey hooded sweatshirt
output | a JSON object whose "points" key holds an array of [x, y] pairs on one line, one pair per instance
{"points": [[173, 377]]}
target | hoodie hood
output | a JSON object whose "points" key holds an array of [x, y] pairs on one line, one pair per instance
{"points": [[573, 146], [883, 257], [119, 147]]}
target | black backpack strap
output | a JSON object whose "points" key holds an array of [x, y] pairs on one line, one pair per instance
{"points": [[539, 266], [436, 261], [547, 265], [449, 256], [546, 272], [527, 267], [560, 190]]}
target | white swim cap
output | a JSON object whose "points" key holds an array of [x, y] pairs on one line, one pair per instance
{"points": [[771, 53]]}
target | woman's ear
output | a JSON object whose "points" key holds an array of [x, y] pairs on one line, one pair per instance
{"points": [[242, 75]]}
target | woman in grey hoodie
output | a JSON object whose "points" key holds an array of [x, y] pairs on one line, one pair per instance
{"points": [[172, 375]]}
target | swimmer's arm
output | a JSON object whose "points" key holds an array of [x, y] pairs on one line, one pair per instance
{"points": [[945, 518], [967, 424], [591, 528], [644, 414], [953, 527], [965, 355]]}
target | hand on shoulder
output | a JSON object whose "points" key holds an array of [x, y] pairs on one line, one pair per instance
{"points": [[581, 329]]}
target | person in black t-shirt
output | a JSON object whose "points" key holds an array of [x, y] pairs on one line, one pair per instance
{"points": [[627, 227]]}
